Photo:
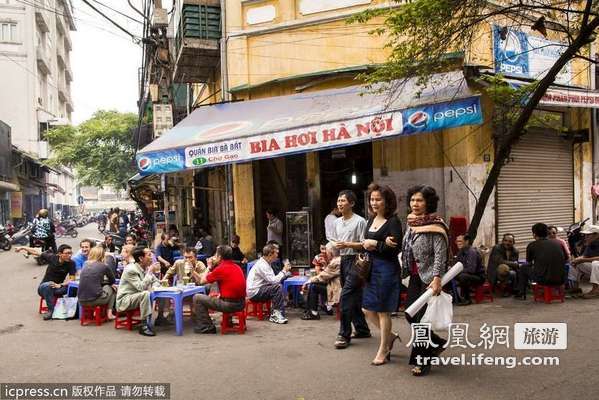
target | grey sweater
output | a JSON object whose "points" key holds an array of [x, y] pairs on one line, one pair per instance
{"points": [[428, 250]]}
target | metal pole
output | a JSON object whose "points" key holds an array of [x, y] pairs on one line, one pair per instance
{"points": [[224, 78]]}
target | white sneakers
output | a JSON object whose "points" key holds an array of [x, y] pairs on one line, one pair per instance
{"points": [[277, 317]]}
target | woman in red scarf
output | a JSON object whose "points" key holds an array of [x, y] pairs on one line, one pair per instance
{"points": [[424, 260]]}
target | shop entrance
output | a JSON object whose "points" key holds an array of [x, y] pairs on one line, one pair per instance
{"points": [[345, 168]]}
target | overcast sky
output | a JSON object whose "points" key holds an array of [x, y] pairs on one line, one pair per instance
{"points": [[104, 59]]}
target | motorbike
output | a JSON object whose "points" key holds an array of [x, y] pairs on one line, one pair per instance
{"points": [[66, 229], [5, 243], [575, 238], [21, 237]]}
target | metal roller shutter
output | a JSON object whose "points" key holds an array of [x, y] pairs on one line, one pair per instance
{"points": [[536, 186]]}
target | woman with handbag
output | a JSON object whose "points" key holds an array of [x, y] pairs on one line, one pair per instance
{"points": [[424, 260], [381, 293]]}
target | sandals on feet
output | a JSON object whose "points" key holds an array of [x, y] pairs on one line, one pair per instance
{"points": [[421, 370]]}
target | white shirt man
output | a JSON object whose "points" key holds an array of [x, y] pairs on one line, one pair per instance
{"points": [[263, 285]]}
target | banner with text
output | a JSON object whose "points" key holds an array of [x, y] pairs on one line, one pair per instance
{"points": [[317, 137]]}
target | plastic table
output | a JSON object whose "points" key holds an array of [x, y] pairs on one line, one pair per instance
{"points": [[295, 283], [177, 296]]}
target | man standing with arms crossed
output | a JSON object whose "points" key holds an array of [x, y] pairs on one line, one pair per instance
{"points": [[348, 235]]}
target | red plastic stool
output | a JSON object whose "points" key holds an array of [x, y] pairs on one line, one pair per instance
{"points": [[127, 319], [548, 293], [257, 309], [43, 307], [226, 324], [94, 314], [483, 292]]}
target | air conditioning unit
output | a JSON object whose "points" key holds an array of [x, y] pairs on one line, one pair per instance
{"points": [[43, 150]]}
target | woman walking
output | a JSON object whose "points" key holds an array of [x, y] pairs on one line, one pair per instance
{"points": [[424, 260], [96, 283], [381, 294]]}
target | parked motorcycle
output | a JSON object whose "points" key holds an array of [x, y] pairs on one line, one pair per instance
{"points": [[575, 238], [21, 237], [5, 243], [67, 228]]}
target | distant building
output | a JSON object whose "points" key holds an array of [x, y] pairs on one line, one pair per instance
{"points": [[35, 86]]}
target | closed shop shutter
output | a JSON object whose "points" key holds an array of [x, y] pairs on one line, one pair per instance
{"points": [[537, 185]]}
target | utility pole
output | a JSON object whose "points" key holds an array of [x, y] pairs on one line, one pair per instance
{"points": [[224, 74]]}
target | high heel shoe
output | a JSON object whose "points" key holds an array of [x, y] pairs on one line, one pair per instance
{"points": [[395, 337], [385, 360]]}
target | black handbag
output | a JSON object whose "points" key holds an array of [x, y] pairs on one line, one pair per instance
{"points": [[362, 265]]}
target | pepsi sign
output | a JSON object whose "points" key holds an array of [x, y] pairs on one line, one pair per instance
{"points": [[160, 162], [418, 119], [443, 116]]}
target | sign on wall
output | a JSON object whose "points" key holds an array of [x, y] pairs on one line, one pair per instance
{"points": [[16, 204], [521, 55]]}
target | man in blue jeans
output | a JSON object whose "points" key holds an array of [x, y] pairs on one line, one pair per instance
{"points": [[55, 282]]}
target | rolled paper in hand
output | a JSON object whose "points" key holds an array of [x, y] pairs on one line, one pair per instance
{"points": [[423, 299]]}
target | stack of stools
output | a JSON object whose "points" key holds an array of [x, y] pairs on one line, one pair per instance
{"points": [[127, 319], [94, 314]]}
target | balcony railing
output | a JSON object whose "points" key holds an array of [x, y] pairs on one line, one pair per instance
{"points": [[43, 61], [42, 18]]}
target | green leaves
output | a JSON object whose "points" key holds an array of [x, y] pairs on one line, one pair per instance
{"points": [[101, 149]]}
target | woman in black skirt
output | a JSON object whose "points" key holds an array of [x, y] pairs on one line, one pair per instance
{"points": [[381, 294]]}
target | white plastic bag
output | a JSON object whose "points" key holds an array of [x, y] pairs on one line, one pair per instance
{"points": [[65, 308], [439, 312]]}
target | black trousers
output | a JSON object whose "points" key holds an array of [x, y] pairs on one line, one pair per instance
{"points": [[468, 281], [526, 274], [351, 300], [415, 289], [314, 292]]}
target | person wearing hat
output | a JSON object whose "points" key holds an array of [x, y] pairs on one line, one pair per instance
{"points": [[587, 264], [503, 263]]}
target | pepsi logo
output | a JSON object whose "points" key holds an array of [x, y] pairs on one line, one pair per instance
{"points": [[418, 119], [144, 163]]}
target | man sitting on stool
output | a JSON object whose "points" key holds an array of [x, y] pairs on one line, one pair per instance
{"points": [[503, 264], [231, 283], [264, 285], [54, 284], [544, 262], [134, 290], [474, 273]]}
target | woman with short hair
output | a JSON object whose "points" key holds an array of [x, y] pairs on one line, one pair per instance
{"points": [[424, 260], [97, 282]]}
